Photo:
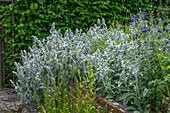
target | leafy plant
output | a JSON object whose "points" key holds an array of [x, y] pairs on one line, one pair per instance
{"points": [[60, 99], [36, 17], [125, 62]]}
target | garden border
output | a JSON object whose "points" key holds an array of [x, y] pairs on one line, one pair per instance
{"points": [[111, 105]]}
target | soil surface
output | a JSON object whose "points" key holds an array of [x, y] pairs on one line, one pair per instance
{"points": [[10, 103]]}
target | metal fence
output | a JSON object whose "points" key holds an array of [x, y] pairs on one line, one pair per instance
{"points": [[3, 57]]}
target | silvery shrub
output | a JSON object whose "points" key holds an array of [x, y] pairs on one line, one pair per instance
{"points": [[113, 53]]}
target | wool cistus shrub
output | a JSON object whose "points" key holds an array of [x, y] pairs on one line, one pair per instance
{"points": [[127, 65]]}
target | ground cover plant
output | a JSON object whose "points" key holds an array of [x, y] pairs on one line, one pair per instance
{"points": [[131, 66]]}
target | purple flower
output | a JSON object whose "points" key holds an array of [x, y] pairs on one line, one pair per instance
{"points": [[132, 20], [164, 48], [144, 31], [138, 53], [145, 42], [144, 27], [150, 17], [154, 21], [134, 16], [149, 29], [158, 37], [136, 38], [136, 34], [155, 26], [167, 30], [136, 19], [151, 32], [167, 42], [143, 13], [159, 31]]}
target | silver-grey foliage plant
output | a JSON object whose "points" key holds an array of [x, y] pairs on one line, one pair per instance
{"points": [[115, 65]]}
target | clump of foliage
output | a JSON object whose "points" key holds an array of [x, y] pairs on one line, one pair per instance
{"points": [[61, 98], [34, 17], [129, 66]]}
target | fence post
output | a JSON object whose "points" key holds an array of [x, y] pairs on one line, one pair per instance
{"points": [[2, 50], [0, 58], [2, 63], [13, 36]]}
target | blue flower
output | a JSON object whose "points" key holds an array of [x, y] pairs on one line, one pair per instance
{"points": [[144, 27], [138, 53], [167, 30], [132, 20], [145, 42], [164, 48], [134, 16], [168, 38], [155, 26], [144, 31], [149, 29], [151, 32], [143, 13], [158, 43], [136, 34], [158, 37], [150, 17], [159, 31], [154, 21], [136, 19], [167, 42]]}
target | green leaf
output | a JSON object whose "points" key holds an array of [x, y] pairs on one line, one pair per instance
{"points": [[36, 5], [131, 108], [137, 103], [126, 100]]}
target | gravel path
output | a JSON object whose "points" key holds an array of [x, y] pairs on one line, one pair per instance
{"points": [[10, 103]]}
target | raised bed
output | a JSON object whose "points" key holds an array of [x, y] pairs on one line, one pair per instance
{"points": [[110, 105]]}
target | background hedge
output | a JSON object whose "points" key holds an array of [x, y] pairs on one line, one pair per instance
{"points": [[35, 17]]}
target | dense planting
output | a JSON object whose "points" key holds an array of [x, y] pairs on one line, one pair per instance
{"points": [[34, 17], [129, 66]]}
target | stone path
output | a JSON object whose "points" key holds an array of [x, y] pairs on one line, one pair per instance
{"points": [[10, 103]]}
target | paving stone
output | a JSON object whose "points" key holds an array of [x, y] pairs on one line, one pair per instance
{"points": [[10, 101], [10, 105], [2, 106], [2, 96], [18, 103], [5, 99], [12, 108]]}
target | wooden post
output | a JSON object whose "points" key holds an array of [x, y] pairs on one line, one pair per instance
{"points": [[0, 58], [2, 61], [13, 36], [2, 51]]}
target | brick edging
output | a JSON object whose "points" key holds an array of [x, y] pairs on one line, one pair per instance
{"points": [[112, 106]]}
